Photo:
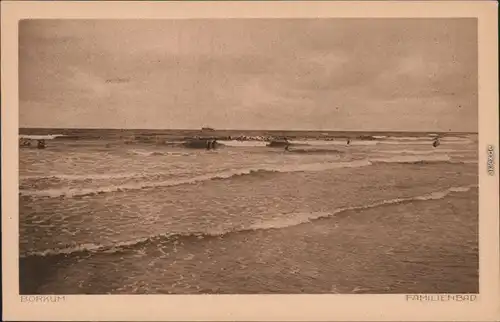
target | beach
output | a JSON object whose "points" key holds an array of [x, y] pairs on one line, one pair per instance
{"points": [[113, 212]]}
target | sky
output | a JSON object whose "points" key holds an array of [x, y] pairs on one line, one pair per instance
{"points": [[289, 74]]}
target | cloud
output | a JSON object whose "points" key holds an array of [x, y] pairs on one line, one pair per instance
{"points": [[287, 73]]}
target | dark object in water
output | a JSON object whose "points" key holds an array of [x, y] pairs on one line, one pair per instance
{"points": [[41, 144], [278, 143], [348, 141], [196, 144], [366, 137], [207, 144], [436, 142], [211, 144]]}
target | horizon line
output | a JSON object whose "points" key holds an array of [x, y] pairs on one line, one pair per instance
{"points": [[228, 129]]}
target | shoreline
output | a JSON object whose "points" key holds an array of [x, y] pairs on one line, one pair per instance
{"points": [[382, 231]]}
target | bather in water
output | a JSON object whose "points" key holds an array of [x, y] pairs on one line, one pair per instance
{"points": [[41, 144]]}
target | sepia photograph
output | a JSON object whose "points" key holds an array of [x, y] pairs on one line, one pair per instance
{"points": [[250, 156]]}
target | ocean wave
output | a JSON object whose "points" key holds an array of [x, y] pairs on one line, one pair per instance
{"points": [[314, 151], [412, 159], [301, 218], [468, 161], [228, 174], [238, 143], [294, 219], [332, 142], [396, 142], [455, 138], [419, 151], [95, 176], [426, 142], [156, 153], [415, 159], [317, 142], [408, 138], [40, 137], [426, 138], [380, 141], [81, 192]]}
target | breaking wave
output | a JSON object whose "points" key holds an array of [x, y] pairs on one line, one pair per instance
{"points": [[383, 140], [83, 177], [332, 142], [237, 143], [226, 174], [420, 151], [293, 220], [314, 151], [408, 138], [80, 192], [156, 153], [40, 137], [413, 159]]}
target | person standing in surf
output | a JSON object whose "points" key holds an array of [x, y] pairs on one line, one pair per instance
{"points": [[436, 142], [41, 144], [210, 144]]}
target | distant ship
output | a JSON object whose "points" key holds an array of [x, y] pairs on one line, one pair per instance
{"points": [[207, 129]]}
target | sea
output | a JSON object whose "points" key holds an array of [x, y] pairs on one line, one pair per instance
{"points": [[139, 212]]}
